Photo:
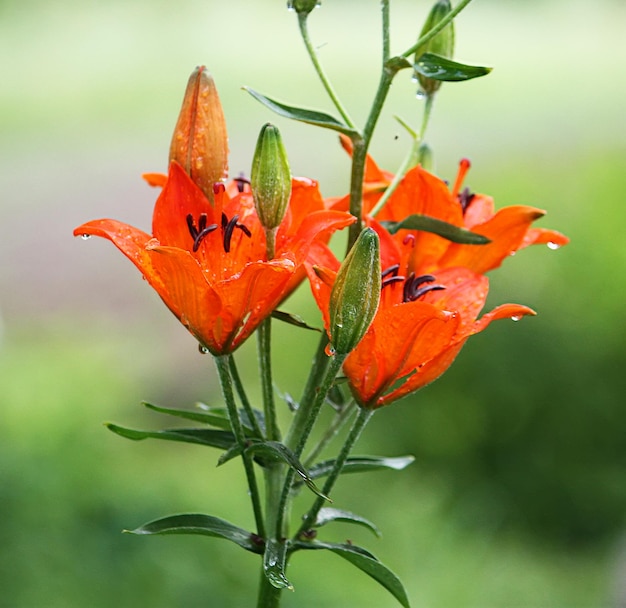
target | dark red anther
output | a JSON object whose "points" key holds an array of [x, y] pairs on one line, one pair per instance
{"points": [[414, 287], [242, 182]]}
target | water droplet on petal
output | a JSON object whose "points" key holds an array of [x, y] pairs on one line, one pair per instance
{"points": [[516, 318], [203, 349], [553, 246], [85, 236], [329, 350]]}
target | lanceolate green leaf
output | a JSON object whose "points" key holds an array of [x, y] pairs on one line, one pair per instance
{"points": [[440, 68], [216, 439], [292, 320], [365, 562], [312, 117], [206, 525], [216, 416], [328, 515], [277, 451], [358, 464], [430, 224]]}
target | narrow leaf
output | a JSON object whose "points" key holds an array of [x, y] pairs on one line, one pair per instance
{"points": [[365, 562], [229, 454], [292, 320], [215, 416], [312, 117], [275, 562], [440, 68], [278, 451], [197, 523], [328, 515], [217, 439], [453, 233], [358, 464]]}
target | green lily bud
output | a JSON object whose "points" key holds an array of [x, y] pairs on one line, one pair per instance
{"points": [[270, 179], [303, 6], [442, 44], [425, 157], [355, 294]]}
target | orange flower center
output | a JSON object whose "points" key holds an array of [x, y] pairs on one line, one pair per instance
{"points": [[200, 230]]}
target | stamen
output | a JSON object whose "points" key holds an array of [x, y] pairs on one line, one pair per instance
{"points": [[241, 182], [409, 238], [219, 188], [192, 227], [229, 229], [464, 166], [202, 234], [198, 233], [465, 198], [390, 280], [413, 287], [393, 270]]}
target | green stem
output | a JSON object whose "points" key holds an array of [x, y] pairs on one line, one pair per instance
{"points": [[386, 29], [331, 432], [264, 339], [310, 410], [269, 596], [359, 152], [304, 31], [407, 163], [426, 117], [359, 424], [234, 373], [223, 364], [437, 28]]}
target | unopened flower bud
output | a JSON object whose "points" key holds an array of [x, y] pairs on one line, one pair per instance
{"points": [[425, 157], [270, 178], [442, 44], [356, 293], [303, 6], [200, 141]]}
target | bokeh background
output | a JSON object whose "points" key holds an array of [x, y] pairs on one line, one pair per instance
{"points": [[518, 491]]}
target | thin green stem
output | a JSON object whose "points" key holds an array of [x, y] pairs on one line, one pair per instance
{"points": [[407, 163], [269, 596], [428, 106], [304, 31], [223, 369], [243, 397], [437, 28], [312, 410], [331, 432], [359, 424], [386, 29], [264, 340]]}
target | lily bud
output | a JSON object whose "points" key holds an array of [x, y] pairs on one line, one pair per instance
{"points": [[303, 6], [442, 44], [270, 178], [356, 293], [425, 157], [200, 141]]}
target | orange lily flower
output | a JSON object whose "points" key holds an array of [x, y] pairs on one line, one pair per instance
{"points": [[421, 192], [206, 256], [208, 262], [433, 290]]}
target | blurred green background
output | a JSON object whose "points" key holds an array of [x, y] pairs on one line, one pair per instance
{"points": [[517, 495]]}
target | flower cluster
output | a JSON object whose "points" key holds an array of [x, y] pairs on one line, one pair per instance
{"points": [[432, 289], [207, 256]]}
